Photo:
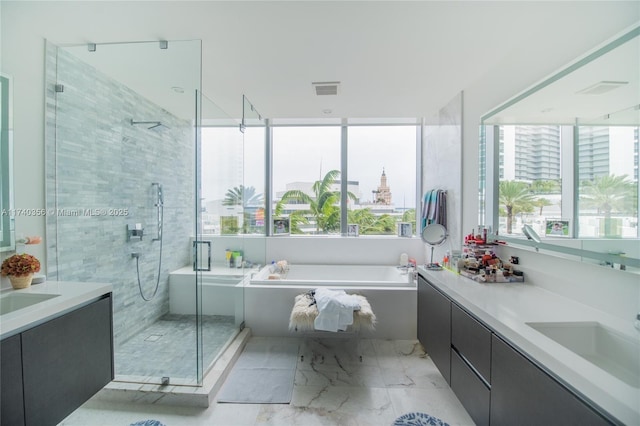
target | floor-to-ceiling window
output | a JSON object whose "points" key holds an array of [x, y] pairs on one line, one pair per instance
{"points": [[364, 173], [312, 170]]}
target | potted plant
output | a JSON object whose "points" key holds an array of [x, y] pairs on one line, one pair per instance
{"points": [[20, 269]]}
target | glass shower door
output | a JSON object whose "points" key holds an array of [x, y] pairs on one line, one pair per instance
{"points": [[121, 152]]}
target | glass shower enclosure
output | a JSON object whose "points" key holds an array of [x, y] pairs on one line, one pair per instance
{"points": [[123, 136]]}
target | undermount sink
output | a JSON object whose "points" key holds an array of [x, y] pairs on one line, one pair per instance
{"points": [[609, 350], [14, 301]]}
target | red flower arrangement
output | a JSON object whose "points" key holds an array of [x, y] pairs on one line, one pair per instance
{"points": [[20, 265]]}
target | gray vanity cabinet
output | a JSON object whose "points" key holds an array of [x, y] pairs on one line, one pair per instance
{"points": [[495, 383], [65, 361], [434, 326], [523, 394], [471, 364], [11, 409]]}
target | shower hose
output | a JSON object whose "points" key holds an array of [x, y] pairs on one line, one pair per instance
{"points": [[159, 269]]}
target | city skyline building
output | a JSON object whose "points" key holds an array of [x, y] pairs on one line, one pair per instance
{"points": [[530, 153]]}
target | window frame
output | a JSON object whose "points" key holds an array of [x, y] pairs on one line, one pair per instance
{"points": [[344, 125]]}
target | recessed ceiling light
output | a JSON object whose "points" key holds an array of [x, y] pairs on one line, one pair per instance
{"points": [[177, 89]]}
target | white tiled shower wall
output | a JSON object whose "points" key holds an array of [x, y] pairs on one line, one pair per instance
{"points": [[97, 160]]}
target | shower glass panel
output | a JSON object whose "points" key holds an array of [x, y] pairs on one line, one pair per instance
{"points": [[121, 157], [220, 168]]}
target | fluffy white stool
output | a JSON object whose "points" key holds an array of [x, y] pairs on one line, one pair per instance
{"points": [[305, 311]]}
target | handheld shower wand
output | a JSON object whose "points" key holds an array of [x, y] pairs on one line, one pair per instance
{"points": [[159, 205]]}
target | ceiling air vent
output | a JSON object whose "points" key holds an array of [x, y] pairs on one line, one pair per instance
{"points": [[602, 87], [323, 88]]}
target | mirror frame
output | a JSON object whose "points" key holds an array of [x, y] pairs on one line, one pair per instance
{"points": [[428, 230], [489, 157], [7, 218]]}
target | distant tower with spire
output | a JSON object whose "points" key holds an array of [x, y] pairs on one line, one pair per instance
{"points": [[383, 194]]}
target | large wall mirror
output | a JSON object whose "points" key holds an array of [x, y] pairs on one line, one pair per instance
{"points": [[7, 238], [562, 158]]}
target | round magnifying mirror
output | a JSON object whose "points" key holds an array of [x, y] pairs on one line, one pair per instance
{"points": [[530, 233], [434, 234]]}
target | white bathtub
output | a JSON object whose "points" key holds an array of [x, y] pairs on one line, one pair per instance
{"points": [[392, 297], [337, 276], [221, 292]]}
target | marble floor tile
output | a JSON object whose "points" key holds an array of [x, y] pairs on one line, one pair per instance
{"points": [[360, 405], [99, 413], [286, 415], [231, 415], [336, 351], [392, 353], [440, 403], [395, 377], [340, 375]]}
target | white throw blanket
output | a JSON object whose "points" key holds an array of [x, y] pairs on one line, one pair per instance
{"points": [[335, 309]]}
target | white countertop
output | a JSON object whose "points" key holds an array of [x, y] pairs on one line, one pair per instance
{"points": [[507, 307], [70, 296]]}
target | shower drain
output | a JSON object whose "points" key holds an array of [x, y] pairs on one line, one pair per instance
{"points": [[153, 338]]}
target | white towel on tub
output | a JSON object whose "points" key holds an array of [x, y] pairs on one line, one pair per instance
{"points": [[335, 309]]}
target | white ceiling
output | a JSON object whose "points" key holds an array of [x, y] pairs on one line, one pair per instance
{"points": [[393, 59]]}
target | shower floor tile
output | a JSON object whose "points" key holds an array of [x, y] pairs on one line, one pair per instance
{"points": [[167, 348]]}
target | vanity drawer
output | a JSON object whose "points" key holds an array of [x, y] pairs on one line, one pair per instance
{"points": [[434, 326], [472, 392], [523, 394], [472, 340]]}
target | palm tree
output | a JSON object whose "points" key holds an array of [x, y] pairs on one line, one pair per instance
{"points": [[370, 223], [608, 194], [296, 219], [243, 196], [515, 197], [410, 216], [364, 218], [542, 203], [323, 206], [386, 224], [545, 186]]}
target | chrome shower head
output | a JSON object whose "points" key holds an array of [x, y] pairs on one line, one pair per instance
{"points": [[151, 125], [157, 126]]}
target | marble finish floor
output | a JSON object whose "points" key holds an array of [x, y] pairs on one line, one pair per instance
{"points": [[168, 347], [332, 387]]}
